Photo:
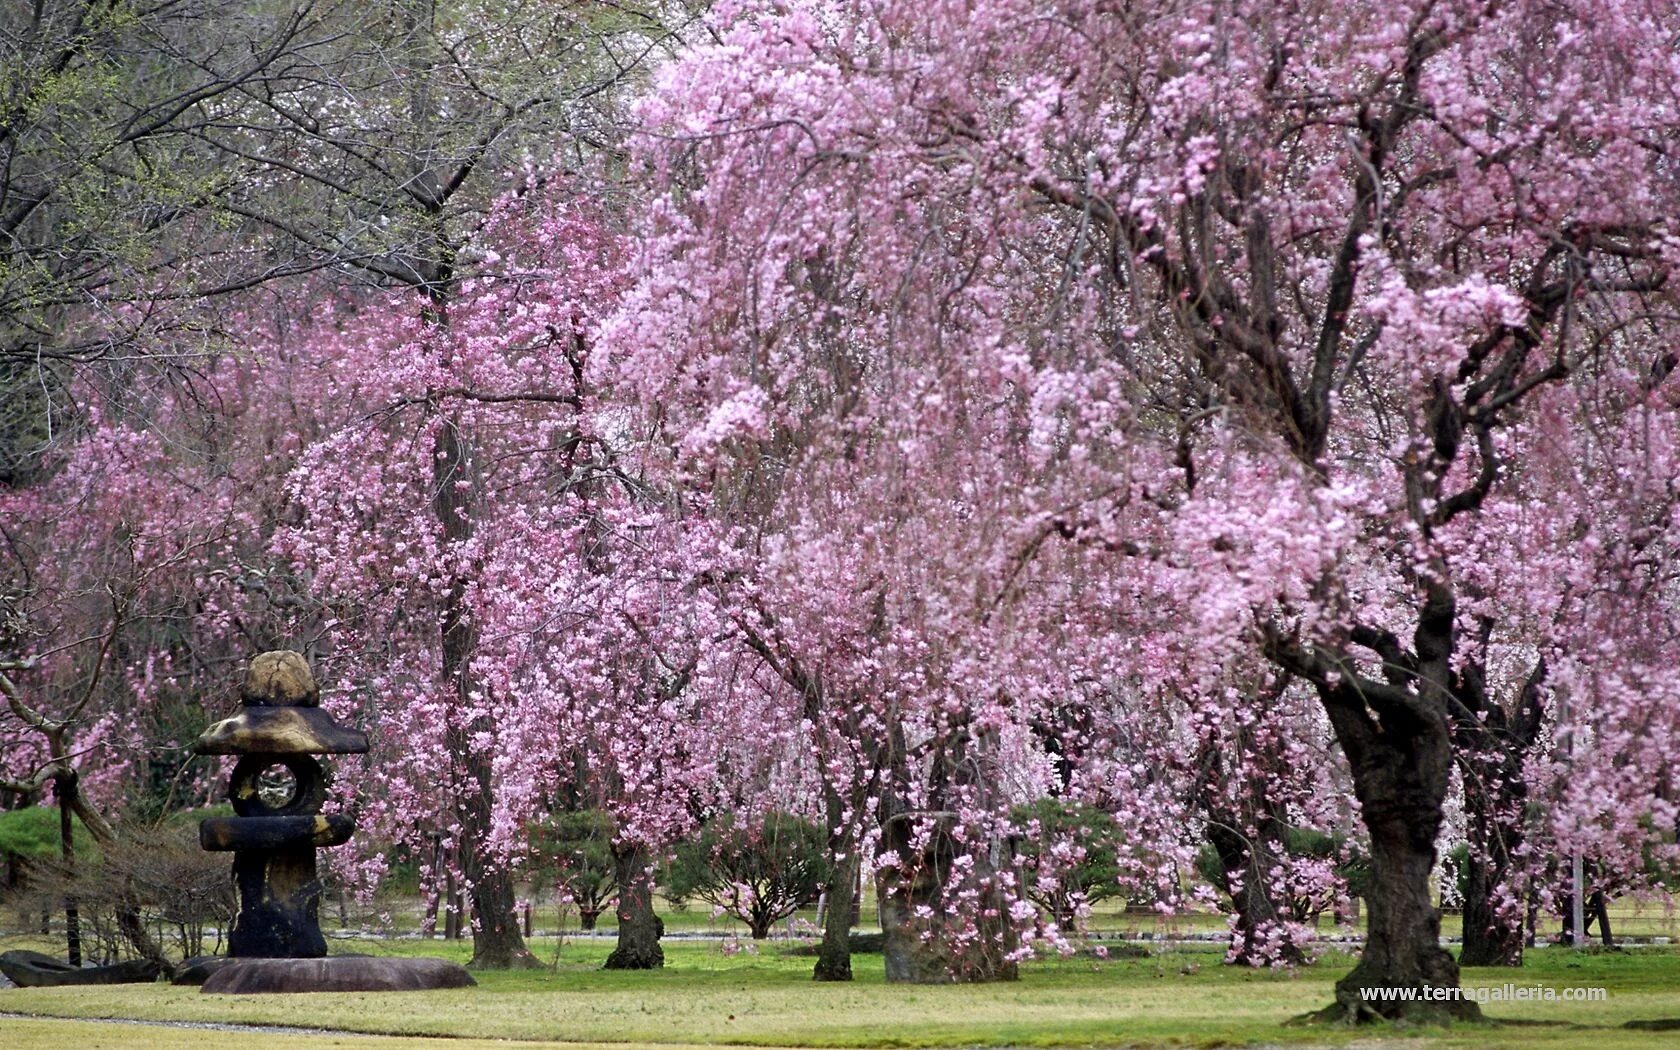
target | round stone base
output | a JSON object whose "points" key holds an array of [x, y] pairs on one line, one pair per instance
{"points": [[341, 973]]}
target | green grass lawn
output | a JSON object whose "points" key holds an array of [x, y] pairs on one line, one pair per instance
{"points": [[1179, 998]]}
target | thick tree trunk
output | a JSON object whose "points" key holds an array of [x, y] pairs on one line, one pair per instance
{"points": [[587, 917], [918, 950], [924, 942], [1400, 775], [1402, 945], [497, 943], [910, 959], [1399, 747], [834, 956], [1491, 938], [639, 929], [1491, 749], [1245, 863]]}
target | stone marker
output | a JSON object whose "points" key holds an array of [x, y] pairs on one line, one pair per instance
{"points": [[28, 969], [340, 973], [198, 969]]}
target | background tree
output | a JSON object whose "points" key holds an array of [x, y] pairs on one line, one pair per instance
{"points": [[575, 848], [758, 871], [1278, 296], [160, 155], [104, 224], [1069, 853]]}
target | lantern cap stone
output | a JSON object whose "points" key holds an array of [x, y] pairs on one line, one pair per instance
{"points": [[281, 731], [279, 679]]}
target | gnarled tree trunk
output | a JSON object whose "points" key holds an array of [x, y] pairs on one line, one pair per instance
{"points": [[1394, 732], [497, 943], [1245, 862], [1400, 772], [639, 929], [1492, 747]]}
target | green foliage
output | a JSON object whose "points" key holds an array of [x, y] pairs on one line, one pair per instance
{"points": [[1053, 882], [31, 833], [759, 872], [1352, 864], [574, 849]]}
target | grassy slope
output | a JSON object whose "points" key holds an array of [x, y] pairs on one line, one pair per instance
{"points": [[705, 997]]}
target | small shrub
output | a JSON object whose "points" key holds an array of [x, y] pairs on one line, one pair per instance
{"points": [[574, 849], [760, 873], [1069, 856]]}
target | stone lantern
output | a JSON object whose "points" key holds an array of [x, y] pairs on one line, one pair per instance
{"points": [[277, 789]]}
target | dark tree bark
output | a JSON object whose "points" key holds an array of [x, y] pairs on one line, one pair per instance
{"points": [[65, 789], [639, 929], [834, 955], [1489, 939], [1398, 744], [909, 959], [434, 896], [920, 882], [912, 958], [1400, 777], [1598, 909], [1491, 746], [1244, 858], [1245, 861], [587, 917], [1065, 735], [497, 943], [1595, 911]]}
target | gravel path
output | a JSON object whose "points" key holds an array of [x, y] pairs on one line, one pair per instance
{"points": [[211, 1026]]}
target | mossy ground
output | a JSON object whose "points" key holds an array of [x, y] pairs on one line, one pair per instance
{"points": [[1176, 998]]}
